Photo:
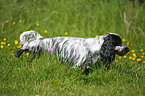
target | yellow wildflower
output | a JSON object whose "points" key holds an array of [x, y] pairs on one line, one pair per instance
{"points": [[142, 56], [12, 54], [45, 31], [132, 51], [4, 39], [123, 40], [36, 95], [138, 59], [66, 33], [37, 25], [14, 23], [124, 56], [131, 44], [20, 21], [2, 42], [127, 43], [130, 57], [19, 46], [16, 42], [31, 30], [119, 57], [2, 46], [133, 58], [143, 61], [96, 35], [9, 44], [141, 49], [27, 54], [115, 60], [143, 53], [134, 55]]}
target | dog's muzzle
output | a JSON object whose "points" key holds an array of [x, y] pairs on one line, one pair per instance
{"points": [[121, 50]]}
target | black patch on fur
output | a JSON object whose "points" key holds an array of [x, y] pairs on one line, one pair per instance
{"points": [[108, 52], [19, 53]]}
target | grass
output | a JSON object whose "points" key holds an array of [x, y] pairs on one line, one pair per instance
{"points": [[80, 18]]}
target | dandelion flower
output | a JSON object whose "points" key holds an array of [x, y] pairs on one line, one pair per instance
{"points": [[36, 95], [96, 35], [131, 44], [16, 42], [37, 25], [124, 56], [143, 53], [142, 56], [12, 54], [130, 57], [141, 49], [45, 31], [2, 46], [127, 43], [132, 51], [138, 59], [134, 55], [14, 23], [2, 42], [20, 21], [66, 33], [19, 46], [4, 39], [143, 61], [119, 57], [9, 44], [27, 54], [115, 60], [133, 58], [123, 40]]}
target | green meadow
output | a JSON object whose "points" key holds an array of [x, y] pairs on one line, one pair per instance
{"points": [[46, 76]]}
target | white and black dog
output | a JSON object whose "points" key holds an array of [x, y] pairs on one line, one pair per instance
{"points": [[78, 52]]}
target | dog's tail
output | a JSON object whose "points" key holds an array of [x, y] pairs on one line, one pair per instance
{"points": [[29, 36]]}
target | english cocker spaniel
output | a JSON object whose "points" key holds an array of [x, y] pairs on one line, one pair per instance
{"points": [[78, 52]]}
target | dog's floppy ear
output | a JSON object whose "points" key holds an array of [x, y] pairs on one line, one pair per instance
{"points": [[107, 52]]}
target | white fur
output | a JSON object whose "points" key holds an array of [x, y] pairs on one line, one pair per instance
{"points": [[78, 52]]}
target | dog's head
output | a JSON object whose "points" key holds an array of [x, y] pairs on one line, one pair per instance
{"points": [[112, 45]]}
